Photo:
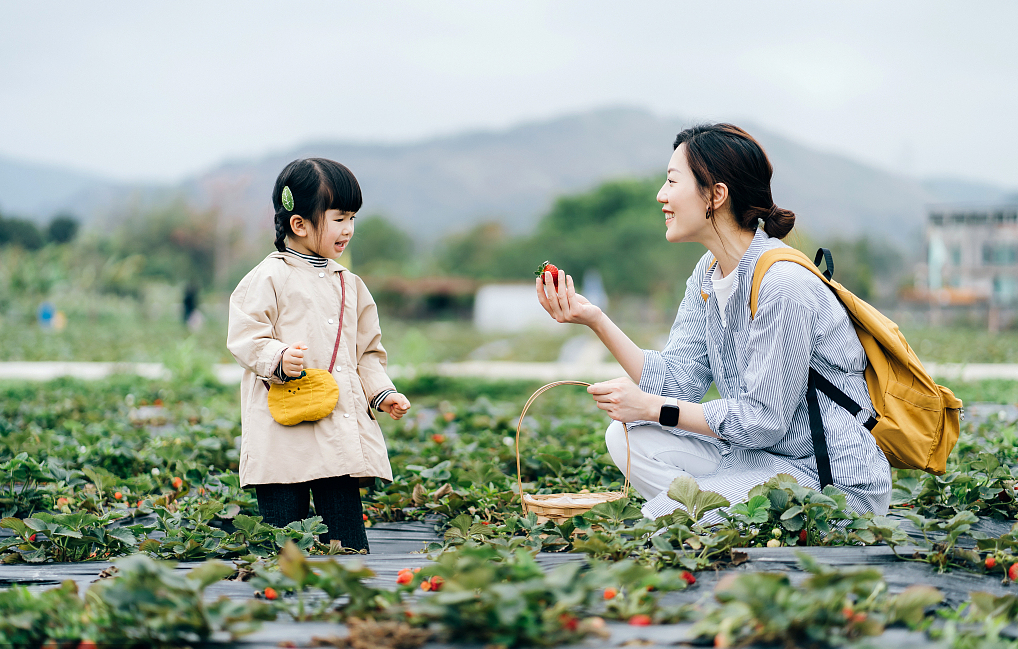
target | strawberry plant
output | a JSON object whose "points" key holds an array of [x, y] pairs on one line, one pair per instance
{"points": [[150, 603], [830, 607], [335, 580]]}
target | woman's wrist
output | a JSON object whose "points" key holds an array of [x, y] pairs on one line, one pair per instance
{"points": [[652, 409], [600, 323]]}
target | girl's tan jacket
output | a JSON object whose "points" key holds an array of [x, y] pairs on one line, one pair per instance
{"points": [[285, 300]]}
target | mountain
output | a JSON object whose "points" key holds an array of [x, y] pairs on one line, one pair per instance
{"points": [[41, 190], [433, 187]]}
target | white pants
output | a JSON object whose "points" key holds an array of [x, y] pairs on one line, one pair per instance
{"points": [[656, 457]]}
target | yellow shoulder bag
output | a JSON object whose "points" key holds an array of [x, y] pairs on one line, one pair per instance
{"points": [[315, 394]]}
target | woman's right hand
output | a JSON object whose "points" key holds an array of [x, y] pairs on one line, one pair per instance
{"points": [[564, 303], [293, 360]]}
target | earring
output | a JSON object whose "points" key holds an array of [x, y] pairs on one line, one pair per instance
{"points": [[710, 210]]}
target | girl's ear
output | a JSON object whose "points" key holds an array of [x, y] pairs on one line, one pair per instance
{"points": [[297, 226]]}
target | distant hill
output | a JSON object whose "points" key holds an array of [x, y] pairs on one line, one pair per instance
{"points": [[40, 190], [446, 184]]}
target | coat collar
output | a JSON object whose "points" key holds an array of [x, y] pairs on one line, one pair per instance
{"points": [[294, 260]]}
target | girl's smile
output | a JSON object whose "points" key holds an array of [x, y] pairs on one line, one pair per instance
{"points": [[337, 227]]}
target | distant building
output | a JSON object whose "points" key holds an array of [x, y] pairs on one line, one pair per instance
{"points": [[972, 254]]}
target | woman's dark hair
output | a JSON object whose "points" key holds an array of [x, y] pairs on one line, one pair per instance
{"points": [[723, 153], [317, 185]]}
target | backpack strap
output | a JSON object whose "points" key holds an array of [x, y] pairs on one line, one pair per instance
{"points": [[816, 431], [815, 382]]}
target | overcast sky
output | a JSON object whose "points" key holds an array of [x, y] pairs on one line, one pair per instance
{"points": [[160, 90]]}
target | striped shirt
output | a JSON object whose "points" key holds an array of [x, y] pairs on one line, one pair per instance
{"points": [[315, 260], [760, 367]]}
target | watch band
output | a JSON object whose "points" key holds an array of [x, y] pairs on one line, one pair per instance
{"points": [[669, 412]]}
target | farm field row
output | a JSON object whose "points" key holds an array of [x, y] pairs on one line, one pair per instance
{"points": [[124, 466]]}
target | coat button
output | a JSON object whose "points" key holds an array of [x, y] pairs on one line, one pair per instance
{"points": [[321, 274], [330, 320], [346, 414]]}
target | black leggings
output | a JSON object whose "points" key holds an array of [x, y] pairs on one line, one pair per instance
{"points": [[337, 501]]}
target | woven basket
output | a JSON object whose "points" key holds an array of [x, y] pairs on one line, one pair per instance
{"points": [[563, 506]]}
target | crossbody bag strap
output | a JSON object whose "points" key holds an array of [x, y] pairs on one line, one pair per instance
{"points": [[342, 309], [339, 334]]}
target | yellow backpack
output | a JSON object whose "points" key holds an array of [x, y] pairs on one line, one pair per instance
{"points": [[916, 421]]}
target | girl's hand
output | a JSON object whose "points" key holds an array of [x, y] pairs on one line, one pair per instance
{"points": [[395, 404], [564, 303], [293, 359], [624, 401]]}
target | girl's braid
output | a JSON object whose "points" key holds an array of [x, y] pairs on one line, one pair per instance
{"points": [[280, 232]]}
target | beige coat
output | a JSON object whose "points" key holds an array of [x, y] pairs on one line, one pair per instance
{"points": [[285, 300]]}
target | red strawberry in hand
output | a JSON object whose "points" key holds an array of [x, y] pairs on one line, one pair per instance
{"points": [[548, 267]]}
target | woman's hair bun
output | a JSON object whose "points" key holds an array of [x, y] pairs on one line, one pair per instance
{"points": [[778, 222]]}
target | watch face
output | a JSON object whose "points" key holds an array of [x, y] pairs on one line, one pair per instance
{"points": [[669, 415]]}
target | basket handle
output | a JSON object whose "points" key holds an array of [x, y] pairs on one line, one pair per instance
{"points": [[519, 425]]}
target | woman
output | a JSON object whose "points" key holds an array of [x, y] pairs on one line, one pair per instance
{"points": [[718, 193]]}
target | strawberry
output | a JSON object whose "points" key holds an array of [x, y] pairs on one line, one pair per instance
{"points": [[548, 267], [991, 562], [436, 583], [1012, 572], [640, 620], [568, 621], [688, 577], [404, 577], [610, 593], [270, 593]]}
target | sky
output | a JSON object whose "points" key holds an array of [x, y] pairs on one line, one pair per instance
{"points": [[159, 91]]}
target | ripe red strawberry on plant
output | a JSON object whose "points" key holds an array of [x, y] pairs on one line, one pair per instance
{"points": [[548, 267]]}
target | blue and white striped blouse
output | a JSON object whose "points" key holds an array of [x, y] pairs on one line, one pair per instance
{"points": [[760, 368]]}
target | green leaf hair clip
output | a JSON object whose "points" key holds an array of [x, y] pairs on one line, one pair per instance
{"points": [[287, 199]]}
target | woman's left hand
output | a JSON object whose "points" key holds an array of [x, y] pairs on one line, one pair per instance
{"points": [[624, 401]]}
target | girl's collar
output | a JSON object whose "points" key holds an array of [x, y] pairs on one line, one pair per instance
{"points": [[295, 258], [315, 260]]}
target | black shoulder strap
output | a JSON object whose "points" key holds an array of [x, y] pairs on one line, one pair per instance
{"points": [[816, 430], [823, 254], [816, 382]]}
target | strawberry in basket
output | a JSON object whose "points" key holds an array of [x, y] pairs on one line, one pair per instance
{"points": [[549, 267]]}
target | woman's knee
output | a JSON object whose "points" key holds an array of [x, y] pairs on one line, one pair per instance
{"points": [[615, 439]]}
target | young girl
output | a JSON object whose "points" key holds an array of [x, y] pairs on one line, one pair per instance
{"points": [[285, 316]]}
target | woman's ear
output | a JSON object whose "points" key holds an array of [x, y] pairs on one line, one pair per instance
{"points": [[720, 196], [297, 226]]}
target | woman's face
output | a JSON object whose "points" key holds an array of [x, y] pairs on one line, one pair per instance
{"points": [[684, 208]]}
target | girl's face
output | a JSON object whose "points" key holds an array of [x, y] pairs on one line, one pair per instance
{"points": [[684, 208], [329, 240]]}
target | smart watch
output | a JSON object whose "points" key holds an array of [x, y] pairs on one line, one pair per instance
{"points": [[669, 412]]}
